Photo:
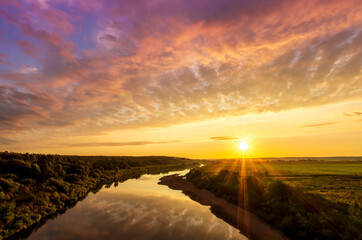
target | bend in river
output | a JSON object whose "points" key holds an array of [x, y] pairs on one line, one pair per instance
{"points": [[137, 209]]}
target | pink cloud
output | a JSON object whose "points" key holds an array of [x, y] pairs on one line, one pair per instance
{"points": [[20, 109], [2, 57], [54, 20], [6, 3], [28, 48]]}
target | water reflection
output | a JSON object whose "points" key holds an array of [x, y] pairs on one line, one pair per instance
{"points": [[137, 209]]}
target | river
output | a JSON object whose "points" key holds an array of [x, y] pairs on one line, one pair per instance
{"points": [[137, 209]]}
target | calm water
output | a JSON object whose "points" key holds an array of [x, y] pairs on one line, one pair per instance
{"points": [[137, 209]]}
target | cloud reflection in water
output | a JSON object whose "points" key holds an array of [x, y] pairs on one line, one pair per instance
{"points": [[137, 209]]}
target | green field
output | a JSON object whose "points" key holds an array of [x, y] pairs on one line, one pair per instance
{"points": [[340, 182], [298, 167], [340, 189], [342, 168], [323, 194]]}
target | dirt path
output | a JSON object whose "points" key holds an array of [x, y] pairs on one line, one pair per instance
{"points": [[246, 222]]}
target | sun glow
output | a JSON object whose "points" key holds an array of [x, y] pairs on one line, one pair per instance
{"points": [[243, 146]]}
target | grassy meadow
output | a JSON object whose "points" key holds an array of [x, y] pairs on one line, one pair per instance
{"points": [[318, 199], [337, 181]]}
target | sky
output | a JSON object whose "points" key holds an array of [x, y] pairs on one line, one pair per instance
{"points": [[181, 78]]}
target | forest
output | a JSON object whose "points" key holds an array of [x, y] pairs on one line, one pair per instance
{"points": [[300, 211], [33, 187]]}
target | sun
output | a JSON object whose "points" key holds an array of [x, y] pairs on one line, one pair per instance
{"points": [[243, 146]]}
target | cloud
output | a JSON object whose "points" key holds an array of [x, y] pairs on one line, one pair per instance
{"points": [[28, 48], [144, 63], [27, 69], [2, 58], [352, 114], [21, 110], [7, 141], [223, 138], [115, 144], [319, 124]]}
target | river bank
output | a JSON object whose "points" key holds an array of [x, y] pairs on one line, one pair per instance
{"points": [[245, 221]]}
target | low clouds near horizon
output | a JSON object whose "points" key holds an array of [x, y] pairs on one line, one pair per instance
{"points": [[113, 144], [318, 124], [124, 64], [224, 138]]}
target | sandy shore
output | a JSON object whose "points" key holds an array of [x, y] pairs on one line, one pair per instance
{"points": [[248, 224]]}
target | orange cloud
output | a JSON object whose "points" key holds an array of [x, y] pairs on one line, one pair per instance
{"points": [[319, 124], [352, 114], [115, 144], [224, 138]]}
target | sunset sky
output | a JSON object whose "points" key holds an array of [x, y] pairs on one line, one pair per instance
{"points": [[181, 77]]}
